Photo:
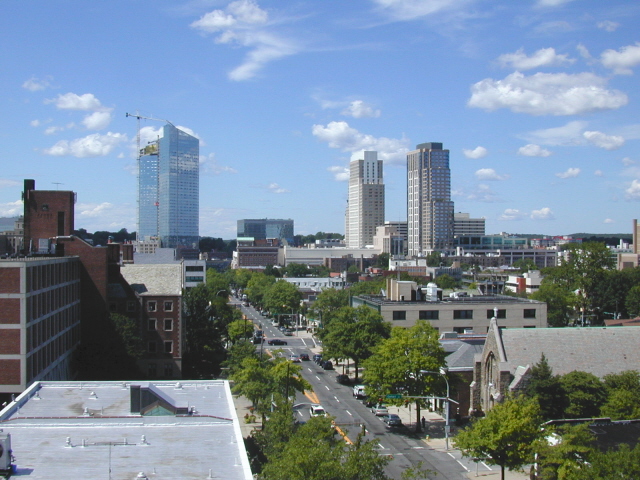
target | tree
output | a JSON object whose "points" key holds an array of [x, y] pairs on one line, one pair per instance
{"points": [[240, 329], [632, 301], [296, 270], [525, 265], [396, 364], [446, 281], [623, 390], [585, 393], [328, 301], [547, 389], [282, 297], [559, 300], [434, 259], [563, 451], [382, 261], [353, 333], [622, 463], [258, 287], [506, 436], [371, 287]]}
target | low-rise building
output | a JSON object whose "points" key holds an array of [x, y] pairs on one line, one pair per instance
{"points": [[528, 282]]}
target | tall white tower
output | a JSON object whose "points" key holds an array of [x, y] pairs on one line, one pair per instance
{"points": [[365, 210], [429, 205]]}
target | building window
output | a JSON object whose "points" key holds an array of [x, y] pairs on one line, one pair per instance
{"points": [[152, 324], [500, 314], [152, 370], [194, 269], [168, 306], [399, 315], [529, 313], [131, 306], [463, 329], [463, 314], [151, 306], [168, 324], [428, 315], [168, 370], [152, 347], [168, 347]]}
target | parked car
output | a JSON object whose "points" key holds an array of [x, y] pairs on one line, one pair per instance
{"points": [[327, 365], [304, 357], [276, 341], [343, 379], [358, 391], [294, 358], [317, 358], [380, 410], [317, 411], [392, 420]]}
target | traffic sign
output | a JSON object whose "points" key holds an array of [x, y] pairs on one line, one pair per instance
{"points": [[394, 395]]}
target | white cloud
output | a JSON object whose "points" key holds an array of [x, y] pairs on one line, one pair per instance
{"points": [[97, 120], [94, 145], [4, 183], [35, 123], [487, 174], [512, 214], [542, 214], [53, 129], [11, 209], [411, 9], [275, 188], [599, 173], [608, 25], [633, 192], [209, 165], [34, 84], [546, 94], [552, 3], [602, 140], [340, 174], [626, 161], [569, 173], [341, 135], [244, 23], [98, 216], [621, 61], [533, 150], [569, 134], [584, 53], [609, 220], [72, 101], [482, 193], [360, 109], [545, 57], [477, 152]]}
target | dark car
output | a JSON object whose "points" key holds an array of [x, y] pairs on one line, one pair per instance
{"points": [[276, 341], [304, 357], [327, 365], [343, 379], [317, 358]]}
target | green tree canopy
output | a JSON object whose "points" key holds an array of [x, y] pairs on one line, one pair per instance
{"points": [[506, 436], [446, 281], [258, 286], [547, 389], [396, 364], [585, 393], [560, 303], [282, 297], [563, 450], [328, 301]]}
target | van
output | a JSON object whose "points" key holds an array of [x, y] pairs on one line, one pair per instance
{"points": [[358, 391]]}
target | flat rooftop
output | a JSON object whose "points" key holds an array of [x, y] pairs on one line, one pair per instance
{"points": [[189, 430]]}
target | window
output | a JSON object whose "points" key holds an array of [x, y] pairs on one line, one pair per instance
{"points": [[462, 329], [491, 313], [168, 370], [463, 314], [152, 347], [168, 347], [428, 315], [131, 306], [151, 306], [168, 306], [152, 324], [168, 324], [194, 269], [152, 370], [529, 313], [399, 315]]}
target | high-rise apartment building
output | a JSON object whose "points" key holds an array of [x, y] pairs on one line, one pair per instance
{"points": [[264, 228], [365, 210], [429, 205], [168, 189], [463, 224]]}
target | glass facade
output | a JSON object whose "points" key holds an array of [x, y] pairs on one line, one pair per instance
{"points": [[169, 190], [263, 228]]}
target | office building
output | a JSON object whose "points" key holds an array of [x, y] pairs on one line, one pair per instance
{"points": [[168, 189], [365, 210], [463, 224], [429, 205], [266, 228]]}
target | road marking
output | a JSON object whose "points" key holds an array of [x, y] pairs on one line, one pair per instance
{"points": [[326, 387], [318, 378], [486, 466], [463, 466], [451, 455], [349, 412], [336, 399]]}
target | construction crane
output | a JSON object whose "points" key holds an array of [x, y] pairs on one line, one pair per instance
{"points": [[137, 116]]}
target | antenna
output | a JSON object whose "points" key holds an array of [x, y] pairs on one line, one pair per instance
{"points": [[57, 184]]}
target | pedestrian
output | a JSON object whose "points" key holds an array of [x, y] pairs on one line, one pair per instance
{"points": [[424, 422]]}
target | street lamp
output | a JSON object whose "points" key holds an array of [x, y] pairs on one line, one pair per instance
{"points": [[443, 372]]}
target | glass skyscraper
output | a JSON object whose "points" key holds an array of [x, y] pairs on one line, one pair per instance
{"points": [[169, 190], [429, 205]]}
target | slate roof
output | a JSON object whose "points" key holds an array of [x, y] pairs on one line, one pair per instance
{"points": [[461, 354], [598, 350], [63, 430], [154, 279]]}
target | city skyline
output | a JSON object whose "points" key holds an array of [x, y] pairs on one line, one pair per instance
{"points": [[537, 102]]}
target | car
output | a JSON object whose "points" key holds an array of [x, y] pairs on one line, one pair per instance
{"points": [[317, 358], [288, 333], [276, 341], [294, 358], [327, 365], [358, 391], [392, 420], [258, 340], [380, 410], [342, 379], [304, 357], [317, 411]]}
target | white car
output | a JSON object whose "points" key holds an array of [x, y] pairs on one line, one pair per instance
{"points": [[294, 358], [317, 411], [380, 410]]}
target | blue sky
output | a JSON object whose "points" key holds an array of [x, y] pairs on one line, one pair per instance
{"points": [[537, 101]]}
